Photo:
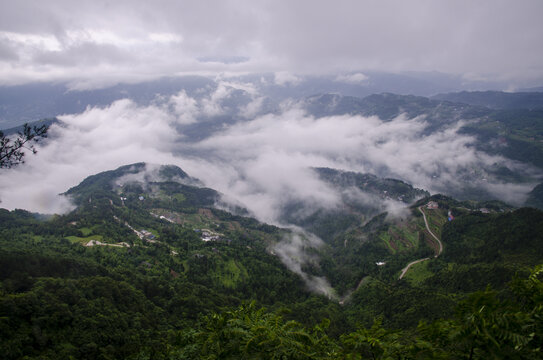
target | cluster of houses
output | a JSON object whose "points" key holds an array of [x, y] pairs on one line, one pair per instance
{"points": [[208, 235], [432, 205], [435, 205], [147, 236], [450, 217], [142, 234]]}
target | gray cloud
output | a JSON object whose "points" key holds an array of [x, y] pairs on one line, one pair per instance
{"points": [[85, 54], [135, 40], [7, 51]]}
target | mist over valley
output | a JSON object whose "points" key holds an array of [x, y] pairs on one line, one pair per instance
{"points": [[271, 180]]}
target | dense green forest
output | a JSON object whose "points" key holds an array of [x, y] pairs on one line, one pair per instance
{"points": [[150, 269]]}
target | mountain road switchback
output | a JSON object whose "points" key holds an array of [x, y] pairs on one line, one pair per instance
{"points": [[404, 270]]}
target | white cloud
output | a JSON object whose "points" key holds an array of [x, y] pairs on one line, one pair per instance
{"points": [[356, 78], [97, 140], [185, 107], [292, 251], [262, 164], [284, 78], [165, 38], [45, 42], [272, 152], [211, 105], [249, 88], [253, 108]]}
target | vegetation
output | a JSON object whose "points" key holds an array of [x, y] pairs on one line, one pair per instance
{"points": [[12, 150], [172, 277], [535, 197], [496, 99], [515, 134]]}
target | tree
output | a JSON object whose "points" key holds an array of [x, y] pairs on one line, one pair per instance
{"points": [[374, 343], [251, 333], [12, 151], [490, 325]]}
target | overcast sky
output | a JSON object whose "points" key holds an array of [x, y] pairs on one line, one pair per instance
{"points": [[108, 41]]}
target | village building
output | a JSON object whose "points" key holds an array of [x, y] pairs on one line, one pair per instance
{"points": [[432, 205]]}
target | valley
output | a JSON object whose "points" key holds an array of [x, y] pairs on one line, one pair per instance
{"points": [[166, 245], [331, 245], [437, 253], [254, 180]]}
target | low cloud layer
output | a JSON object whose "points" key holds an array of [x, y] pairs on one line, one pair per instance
{"points": [[272, 155], [84, 144], [294, 252], [261, 163]]}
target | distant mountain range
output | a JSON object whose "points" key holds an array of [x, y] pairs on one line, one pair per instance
{"points": [[152, 263], [496, 99], [513, 130], [516, 133], [31, 102]]}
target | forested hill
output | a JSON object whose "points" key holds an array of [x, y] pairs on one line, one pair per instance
{"points": [[392, 188], [535, 197], [143, 256], [496, 99], [363, 196], [388, 106], [139, 174], [510, 128], [146, 267]]}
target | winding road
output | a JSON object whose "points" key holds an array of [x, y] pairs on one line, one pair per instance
{"points": [[404, 270], [346, 298]]}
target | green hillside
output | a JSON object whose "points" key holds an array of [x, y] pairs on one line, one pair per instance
{"points": [[362, 198], [507, 124], [496, 99], [147, 268], [535, 197]]}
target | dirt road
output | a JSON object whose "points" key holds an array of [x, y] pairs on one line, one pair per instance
{"points": [[404, 270], [431, 233]]}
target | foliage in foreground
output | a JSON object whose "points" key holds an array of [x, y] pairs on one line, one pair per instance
{"points": [[487, 325], [12, 150]]}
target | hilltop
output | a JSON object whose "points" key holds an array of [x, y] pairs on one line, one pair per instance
{"points": [[152, 248]]}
